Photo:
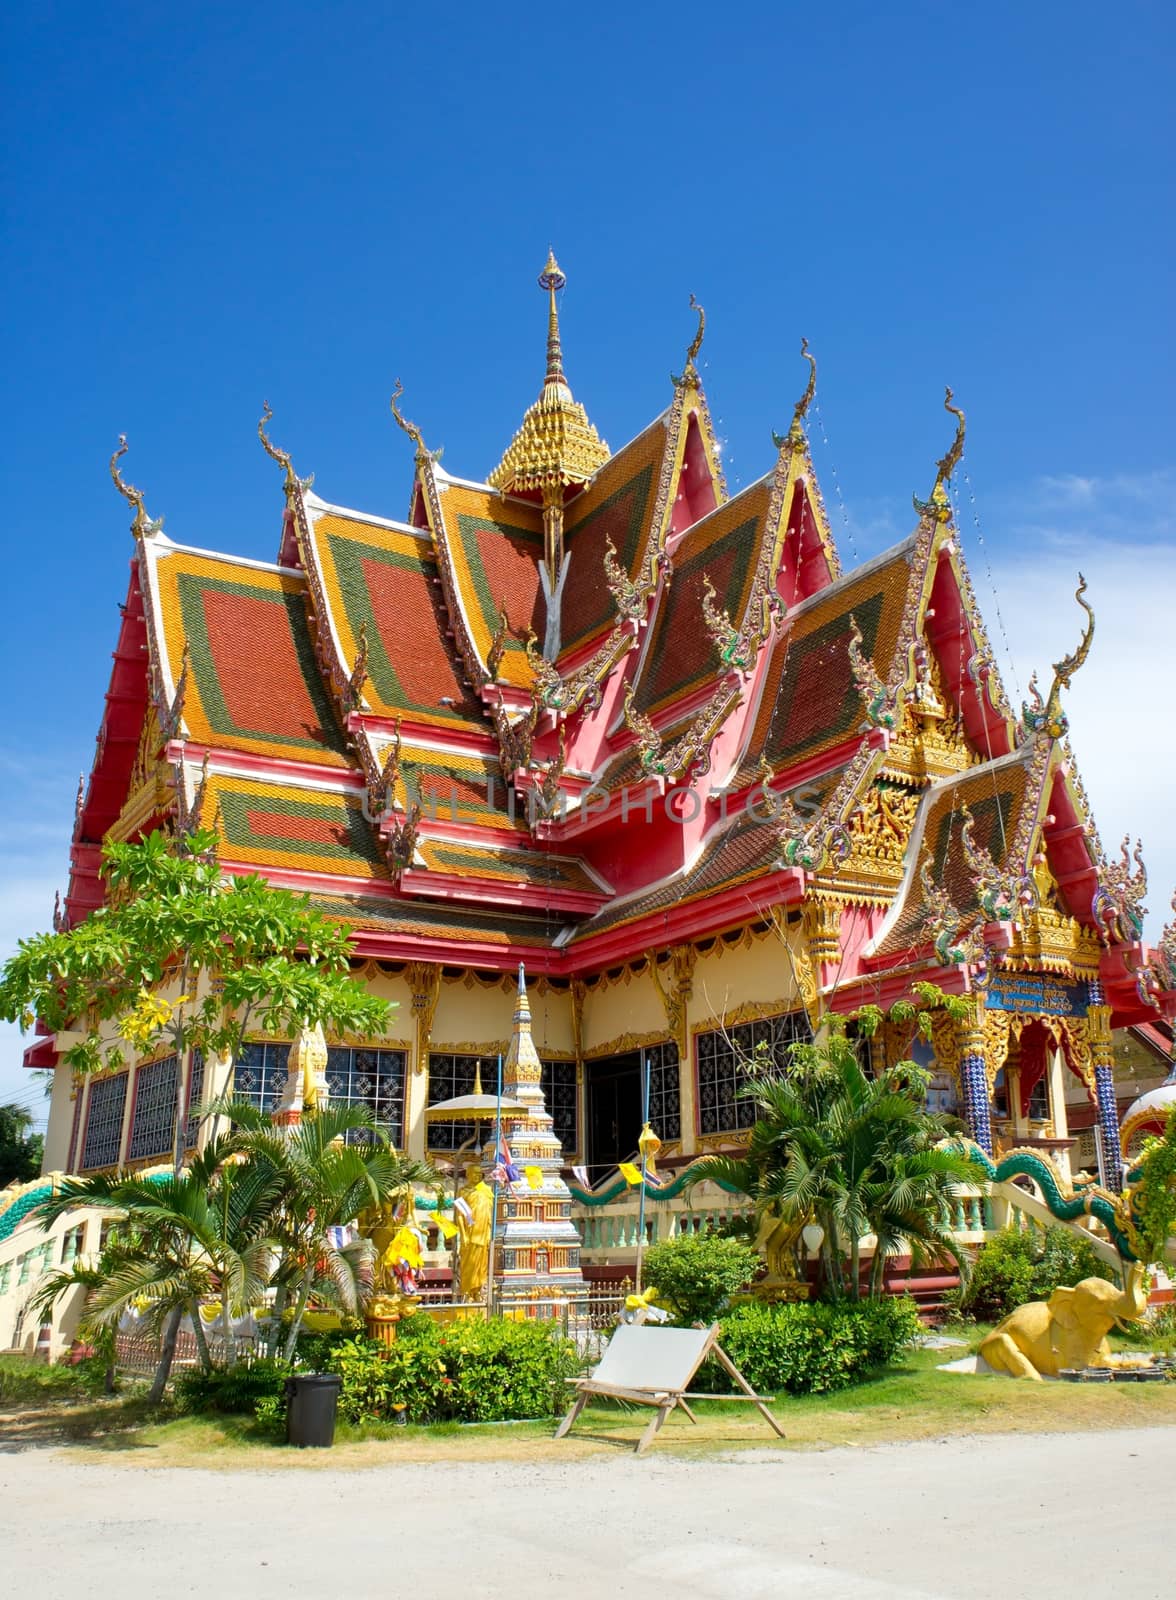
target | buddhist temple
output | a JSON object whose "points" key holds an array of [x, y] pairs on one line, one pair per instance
{"points": [[591, 711]]}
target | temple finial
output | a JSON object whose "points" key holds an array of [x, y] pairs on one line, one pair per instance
{"points": [[282, 457], [696, 342], [134, 497], [948, 463], [800, 411], [1050, 718], [552, 279], [413, 432], [939, 506]]}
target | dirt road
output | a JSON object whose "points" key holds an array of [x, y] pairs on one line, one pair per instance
{"points": [[961, 1518]]}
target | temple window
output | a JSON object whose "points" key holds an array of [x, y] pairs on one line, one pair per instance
{"points": [[371, 1078], [72, 1244], [153, 1118], [1000, 1096], [259, 1073], [724, 1060], [449, 1077], [195, 1095], [1039, 1101], [558, 1082], [108, 1098]]}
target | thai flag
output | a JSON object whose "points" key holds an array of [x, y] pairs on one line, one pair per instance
{"points": [[339, 1237], [510, 1173]]}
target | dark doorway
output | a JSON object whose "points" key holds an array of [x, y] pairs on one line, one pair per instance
{"points": [[614, 1108]]}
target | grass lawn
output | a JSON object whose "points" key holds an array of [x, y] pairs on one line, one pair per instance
{"points": [[910, 1401]]}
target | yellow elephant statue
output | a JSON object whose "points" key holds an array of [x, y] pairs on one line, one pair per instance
{"points": [[1066, 1331]]}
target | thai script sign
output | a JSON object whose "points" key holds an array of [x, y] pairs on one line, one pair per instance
{"points": [[1025, 991]]}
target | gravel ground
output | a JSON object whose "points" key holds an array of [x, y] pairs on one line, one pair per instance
{"points": [[960, 1518]]}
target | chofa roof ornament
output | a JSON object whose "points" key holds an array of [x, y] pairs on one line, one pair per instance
{"points": [[1047, 716], [142, 525], [939, 506]]}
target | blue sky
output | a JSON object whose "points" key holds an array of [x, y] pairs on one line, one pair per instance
{"points": [[301, 203]]}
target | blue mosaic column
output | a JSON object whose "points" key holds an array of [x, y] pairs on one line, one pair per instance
{"points": [[1102, 1051], [974, 1083], [974, 1077]]}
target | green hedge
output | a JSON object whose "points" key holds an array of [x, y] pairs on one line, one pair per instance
{"points": [[813, 1347], [468, 1371]]}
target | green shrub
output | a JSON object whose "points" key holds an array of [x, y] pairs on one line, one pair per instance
{"points": [[696, 1274], [231, 1391], [500, 1369], [1015, 1267], [469, 1371], [813, 1347]]}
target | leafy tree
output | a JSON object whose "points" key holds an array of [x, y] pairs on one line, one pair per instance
{"points": [[857, 1154], [171, 917], [21, 1152]]}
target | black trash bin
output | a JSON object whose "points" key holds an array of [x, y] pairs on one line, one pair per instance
{"points": [[311, 1399]]}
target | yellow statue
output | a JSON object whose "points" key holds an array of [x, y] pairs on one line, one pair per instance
{"points": [[1066, 1331], [776, 1241], [474, 1233]]}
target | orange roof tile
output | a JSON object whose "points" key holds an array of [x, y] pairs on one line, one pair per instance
{"points": [[384, 579], [253, 682]]}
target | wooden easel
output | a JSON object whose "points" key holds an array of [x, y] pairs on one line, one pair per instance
{"points": [[655, 1367]]}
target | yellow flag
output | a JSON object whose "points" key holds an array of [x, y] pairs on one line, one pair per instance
{"points": [[534, 1177], [630, 1173], [448, 1229], [649, 1144]]}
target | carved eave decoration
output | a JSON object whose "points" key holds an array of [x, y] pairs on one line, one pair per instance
{"points": [[823, 844], [1118, 905], [879, 833], [149, 792], [1044, 937], [929, 742]]}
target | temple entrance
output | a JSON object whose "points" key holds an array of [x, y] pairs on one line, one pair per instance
{"points": [[614, 1108]]}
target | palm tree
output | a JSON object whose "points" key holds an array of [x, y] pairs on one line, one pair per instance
{"points": [[320, 1183], [183, 1239], [857, 1154]]}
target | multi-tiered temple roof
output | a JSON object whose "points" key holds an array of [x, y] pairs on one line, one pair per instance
{"points": [[596, 704]]}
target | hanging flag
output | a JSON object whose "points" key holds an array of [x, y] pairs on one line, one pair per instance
{"points": [[498, 1174], [463, 1210], [581, 1176], [630, 1173], [508, 1162], [649, 1144], [534, 1177], [448, 1229], [339, 1237]]}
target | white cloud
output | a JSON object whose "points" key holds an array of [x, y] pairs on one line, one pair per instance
{"points": [[1118, 706]]}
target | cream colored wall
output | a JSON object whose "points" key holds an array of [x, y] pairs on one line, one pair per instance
{"points": [[18, 1327], [61, 1112]]}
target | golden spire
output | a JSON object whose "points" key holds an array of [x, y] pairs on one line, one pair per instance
{"points": [[556, 445]]}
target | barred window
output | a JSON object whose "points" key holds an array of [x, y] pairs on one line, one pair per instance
{"points": [[195, 1095], [153, 1119], [371, 1078], [72, 1243], [450, 1076], [5, 1274], [108, 1098], [259, 1073], [558, 1082], [665, 1094], [723, 1060]]}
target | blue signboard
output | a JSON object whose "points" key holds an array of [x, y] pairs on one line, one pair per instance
{"points": [[1027, 991]]}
